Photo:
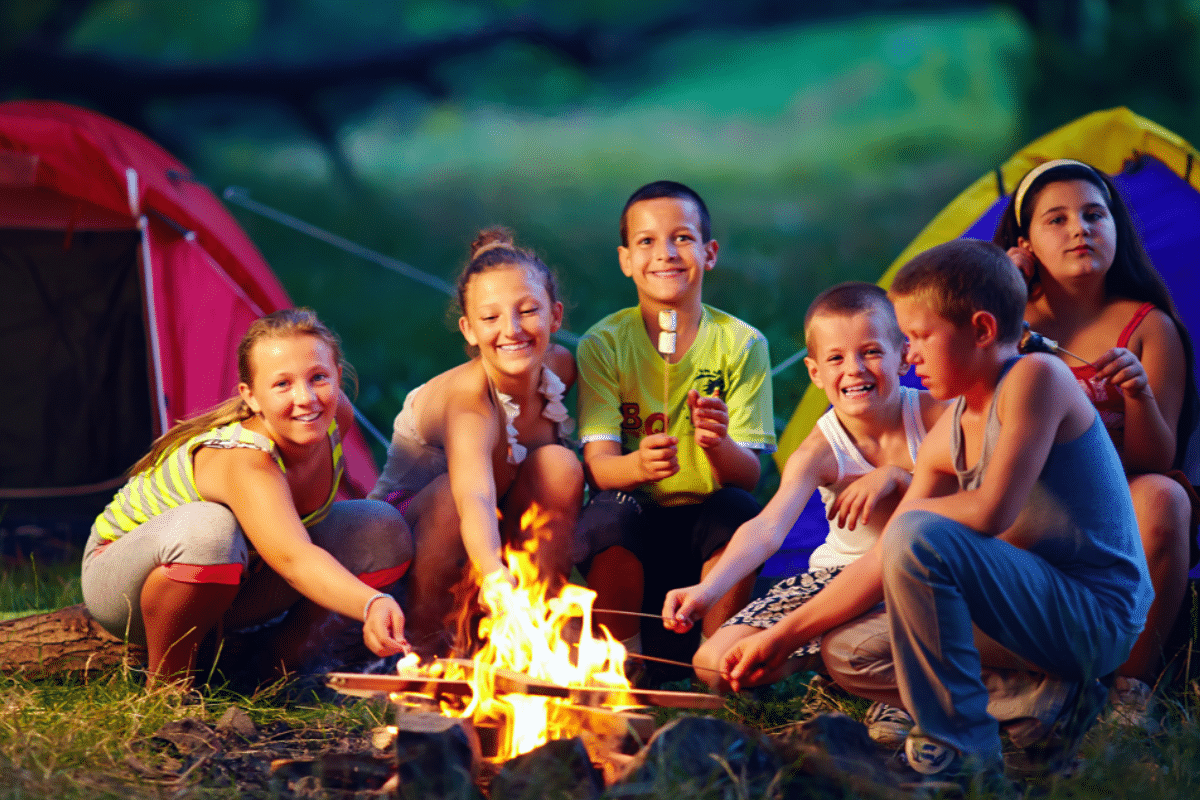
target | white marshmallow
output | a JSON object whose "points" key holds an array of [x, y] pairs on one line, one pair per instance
{"points": [[666, 342]]}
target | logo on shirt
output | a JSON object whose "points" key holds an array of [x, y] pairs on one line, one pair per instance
{"points": [[708, 381], [632, 422]]}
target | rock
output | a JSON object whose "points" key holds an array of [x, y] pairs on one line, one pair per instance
{"points": [[436, 757], [830, 757], [694, 756], [559, 769], [235, 720], [190, 736]]}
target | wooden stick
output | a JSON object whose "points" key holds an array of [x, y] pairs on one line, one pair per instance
{"points": [[642, 657], [667, 322]]}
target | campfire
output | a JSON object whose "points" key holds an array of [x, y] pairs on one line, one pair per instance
{"points": [[540, 675]]}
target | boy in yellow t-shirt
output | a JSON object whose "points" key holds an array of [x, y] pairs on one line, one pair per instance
{"points": [[671, 484]]}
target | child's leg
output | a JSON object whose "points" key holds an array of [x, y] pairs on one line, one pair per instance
{"points": [[721, 514], [1164, 512], [439, 563], [167, 582], [939, 577], [604, 536], [550, 477], [782, 599]]}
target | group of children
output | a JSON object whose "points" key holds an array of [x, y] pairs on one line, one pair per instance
{"points": [[1003, 522]]}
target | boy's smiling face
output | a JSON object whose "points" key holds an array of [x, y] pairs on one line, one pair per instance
{"points": [[941, 351], [665, 255], [857, 360]]}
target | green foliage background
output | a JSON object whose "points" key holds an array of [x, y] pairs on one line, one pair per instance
{"points": [[823, 143]]}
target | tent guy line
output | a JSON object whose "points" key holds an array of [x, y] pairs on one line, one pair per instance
{"points": [[240, 197]]}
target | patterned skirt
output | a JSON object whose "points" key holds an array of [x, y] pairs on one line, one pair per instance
{"points": [[784, 598]]}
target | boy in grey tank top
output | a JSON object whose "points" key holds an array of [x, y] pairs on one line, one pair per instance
{"points": [[1018, 524]]}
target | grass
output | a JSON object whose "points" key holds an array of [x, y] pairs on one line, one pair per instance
{"points": [[76, 738]]}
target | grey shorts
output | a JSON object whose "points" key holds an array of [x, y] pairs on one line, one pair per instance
{"points": [[367, 537]]}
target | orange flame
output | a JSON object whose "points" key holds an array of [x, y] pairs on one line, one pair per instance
{"points": [[531, 635]]}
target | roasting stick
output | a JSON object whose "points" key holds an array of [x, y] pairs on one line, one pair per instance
{"points": [[1034, 342], [642, 657], [667, 321]]}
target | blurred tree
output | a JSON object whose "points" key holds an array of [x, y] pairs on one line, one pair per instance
{"points": [[324, 60], [1092, 54]]}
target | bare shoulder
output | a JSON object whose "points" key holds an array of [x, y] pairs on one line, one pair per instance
{"points": [[932, 408], [1156, 330], [223, 473], [1042, 387], [449, 397], [561, 363], [815, 457]]}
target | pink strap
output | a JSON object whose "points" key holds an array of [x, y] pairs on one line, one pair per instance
{"points": [[1138, 316]]}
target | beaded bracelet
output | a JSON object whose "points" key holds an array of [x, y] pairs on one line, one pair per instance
{"points": [[372, 599]]}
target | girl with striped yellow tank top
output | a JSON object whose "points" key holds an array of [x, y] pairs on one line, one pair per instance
{"points": [[231, 519]]}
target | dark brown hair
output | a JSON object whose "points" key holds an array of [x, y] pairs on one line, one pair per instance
{"points": [[674, 189]]}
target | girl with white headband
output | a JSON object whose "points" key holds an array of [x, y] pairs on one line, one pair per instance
{"points": [[1093, 290], [477, 445]]}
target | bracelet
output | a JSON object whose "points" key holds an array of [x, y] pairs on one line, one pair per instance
{"points": [[370, 600]]}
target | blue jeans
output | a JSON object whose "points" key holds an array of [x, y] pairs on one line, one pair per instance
{"points": [[943, 581]]}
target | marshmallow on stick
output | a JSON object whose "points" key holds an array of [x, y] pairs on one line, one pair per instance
{"points": [[667, 321]]}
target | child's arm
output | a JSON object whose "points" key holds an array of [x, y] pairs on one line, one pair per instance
{"points": [[1153, 386], [812, 464], [732, 464], [607, 468], [1039, 404], [855, 590], [885, 484], [471, 435], [251, 485]]}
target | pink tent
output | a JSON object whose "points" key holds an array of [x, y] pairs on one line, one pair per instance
{"points": [[125, 287]]}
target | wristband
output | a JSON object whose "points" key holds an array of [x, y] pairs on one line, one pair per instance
{"points": [[370, 600]]}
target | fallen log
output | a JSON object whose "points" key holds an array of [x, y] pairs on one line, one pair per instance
{"points": [[67, 641]]}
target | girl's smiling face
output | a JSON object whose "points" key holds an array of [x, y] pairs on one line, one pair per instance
{"points": [[1071, 233], [294, 389], [509, 316]]}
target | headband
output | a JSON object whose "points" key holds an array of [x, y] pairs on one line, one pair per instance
{"points": [[1041, 169]]}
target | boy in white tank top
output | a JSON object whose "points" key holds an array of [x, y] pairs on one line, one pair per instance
{"points": [[860, 455]]}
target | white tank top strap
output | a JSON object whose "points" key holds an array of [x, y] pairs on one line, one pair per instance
{"points": [[914, 423], [848, 455]]}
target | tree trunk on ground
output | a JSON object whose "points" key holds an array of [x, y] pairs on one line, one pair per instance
{"points": [[63, 641]]}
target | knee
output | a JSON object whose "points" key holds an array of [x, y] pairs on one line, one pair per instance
{"points": [[374, 531], [1163, 512], [858, 655], [707, 664], [557, 475], [210, 535], [911, 538]]}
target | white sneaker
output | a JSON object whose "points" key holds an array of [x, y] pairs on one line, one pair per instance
{"points": [[1130, 702], [888, 725]]}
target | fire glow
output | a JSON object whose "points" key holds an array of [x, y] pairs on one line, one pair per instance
{"points": [[543, 639]]}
